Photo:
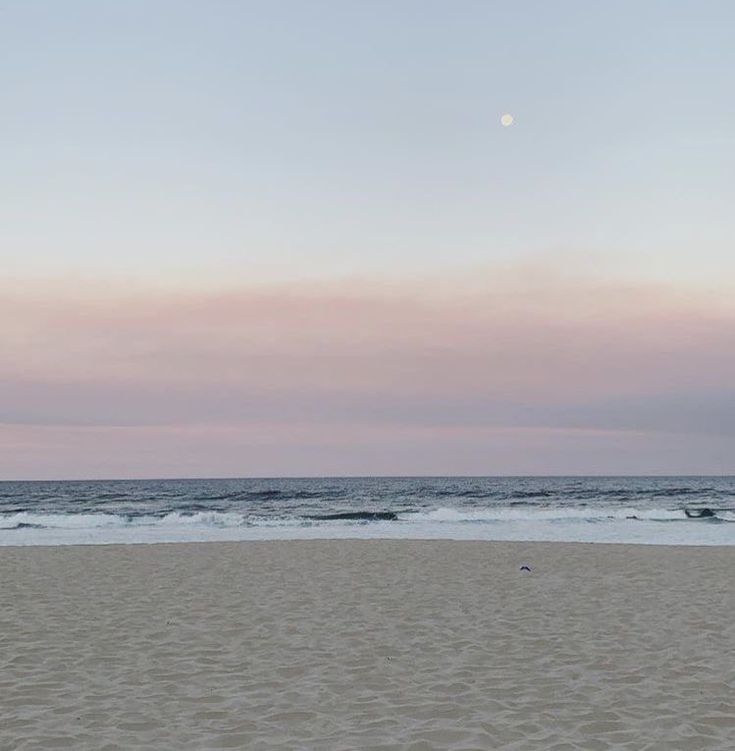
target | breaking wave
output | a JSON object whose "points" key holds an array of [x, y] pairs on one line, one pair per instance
{"points": [[550, 514], [102, 521], [219, 519]]}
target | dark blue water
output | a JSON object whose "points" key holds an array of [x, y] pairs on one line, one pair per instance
{"points": [[614, 509]]}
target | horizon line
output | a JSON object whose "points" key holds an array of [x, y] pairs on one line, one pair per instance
{"points": [[368, 477]]}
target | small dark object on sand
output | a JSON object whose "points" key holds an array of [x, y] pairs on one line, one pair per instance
{"points": [[525, 568], [703, 514]]}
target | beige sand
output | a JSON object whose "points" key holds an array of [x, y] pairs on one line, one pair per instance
{"points": [[367, 645]]}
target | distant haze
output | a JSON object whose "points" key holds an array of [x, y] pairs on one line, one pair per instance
{"points": [[296, 239]]}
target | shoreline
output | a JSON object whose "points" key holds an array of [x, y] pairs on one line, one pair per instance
{"points": [[347, 540]]}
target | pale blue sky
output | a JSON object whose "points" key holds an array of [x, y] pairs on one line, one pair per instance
{"points": [[560, 293], [324, 138]]}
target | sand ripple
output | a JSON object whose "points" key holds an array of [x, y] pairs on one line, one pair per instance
{"points": [[376, 646]]}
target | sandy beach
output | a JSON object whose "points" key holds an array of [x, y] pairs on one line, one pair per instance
{"points": [[369, 645]]}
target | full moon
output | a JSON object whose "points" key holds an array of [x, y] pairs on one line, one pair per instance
{"points": [[506, 120]]}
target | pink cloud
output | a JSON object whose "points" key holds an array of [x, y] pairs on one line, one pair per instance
{"points": [[313, 450], [502, 350]]}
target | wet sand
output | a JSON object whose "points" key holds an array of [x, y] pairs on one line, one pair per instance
{"points": [[369, 645]]}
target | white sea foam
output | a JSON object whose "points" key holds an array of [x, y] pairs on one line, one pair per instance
{"points": [[60, 521], [563, 524], [437, 516], [545, 514]]}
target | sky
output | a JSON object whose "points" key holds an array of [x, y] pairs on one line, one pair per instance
{"points": [[260, 239]]}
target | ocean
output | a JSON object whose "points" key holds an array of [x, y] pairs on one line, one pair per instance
{"points": [[645, 510]]}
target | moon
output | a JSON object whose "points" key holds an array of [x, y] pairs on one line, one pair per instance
{"points": [[506, 120]]}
